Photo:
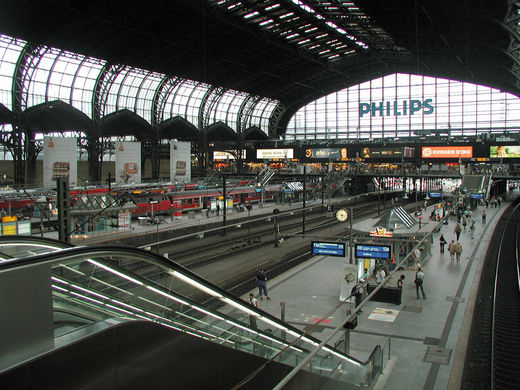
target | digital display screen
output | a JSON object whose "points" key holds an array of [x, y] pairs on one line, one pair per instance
{"points": [[509, 151], [373, 251], [327, 153], [328, 248]]}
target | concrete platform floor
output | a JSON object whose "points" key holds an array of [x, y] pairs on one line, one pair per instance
{"points": [[424, 340]]}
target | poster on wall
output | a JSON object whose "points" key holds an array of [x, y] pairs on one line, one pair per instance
{"points": [[128, 162], [180, 161], [60, 160], [506, 151]]}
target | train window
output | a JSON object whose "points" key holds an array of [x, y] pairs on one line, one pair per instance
{"points": [[183, 202], [197, 200], [190, 201]]}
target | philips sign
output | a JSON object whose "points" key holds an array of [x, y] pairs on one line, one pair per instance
{"points": [[396, 108]]}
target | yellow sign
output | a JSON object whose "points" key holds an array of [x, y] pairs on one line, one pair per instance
{"points": [[381, 232]]}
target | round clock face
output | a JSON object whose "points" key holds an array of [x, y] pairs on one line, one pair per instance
{"points": [[342, 215]]}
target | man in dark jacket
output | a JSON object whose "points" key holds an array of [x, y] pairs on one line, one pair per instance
{"points": [[262, 284]]}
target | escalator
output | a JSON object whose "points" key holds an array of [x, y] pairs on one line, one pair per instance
{"points": [[77, 307]]}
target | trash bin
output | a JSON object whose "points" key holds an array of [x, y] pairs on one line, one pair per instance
{"points": [[191, 214], [141, 221], [204, 213]]}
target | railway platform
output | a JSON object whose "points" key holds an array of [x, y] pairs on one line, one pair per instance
{"points": [[424, 340]]}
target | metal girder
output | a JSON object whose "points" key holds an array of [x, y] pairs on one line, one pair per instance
{"points": [[244, 112], [160, 97], [23, 73], [208, 102], [154, 151], [274, 121], [94, 148], [103, 83]]}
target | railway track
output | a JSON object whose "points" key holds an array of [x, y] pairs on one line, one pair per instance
{"points": [[492, 358], [239, 241]]}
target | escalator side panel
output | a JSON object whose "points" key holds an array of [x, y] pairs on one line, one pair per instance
{"points": [[140, 355]]}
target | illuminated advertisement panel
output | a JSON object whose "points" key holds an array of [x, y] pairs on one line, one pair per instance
{"points": [[509, 151], [447, 152], [328, 153], [269, 154], [218, 155], [382, 152]]}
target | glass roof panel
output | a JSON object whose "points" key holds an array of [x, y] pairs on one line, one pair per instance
{"points": [[382, 108], [194, 103]]}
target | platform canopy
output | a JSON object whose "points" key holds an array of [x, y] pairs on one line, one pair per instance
{"points": [[55, 116], [125, 123], [6, 116], [178, 128]]}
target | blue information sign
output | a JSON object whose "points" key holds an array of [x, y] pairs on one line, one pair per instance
{"points": [[258, 189], [328, 248], [477, 196], [287, 191], [435, 194], [373, 251]]}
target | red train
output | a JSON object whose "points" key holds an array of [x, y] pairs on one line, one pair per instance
{"points": [[164, 198], [165, 202]]}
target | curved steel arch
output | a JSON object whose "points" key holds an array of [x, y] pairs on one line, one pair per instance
{"points": [[160, 98]]}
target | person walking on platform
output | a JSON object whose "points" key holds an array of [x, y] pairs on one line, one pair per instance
{"points": [[458, 250], [381, 275], [464, 221], [400, 281], [451, 249], [262, 284], [472, 229], [442, 242], [419, 280], [357, 293], [484, 217], [457, 231]]}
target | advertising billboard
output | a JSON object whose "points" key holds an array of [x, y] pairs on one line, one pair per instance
{"points": [[60, 160], [373, 251], [328, 248], [128, 162], [327, 153], [382, 152], [269, 154], [509, 151], [180, 161], [219, 155], [447, 152]]}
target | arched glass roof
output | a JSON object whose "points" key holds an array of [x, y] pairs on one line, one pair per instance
{"points": [[405, 105], [52, 74]]}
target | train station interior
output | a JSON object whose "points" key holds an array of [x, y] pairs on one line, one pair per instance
{"points": [[260, 194]]}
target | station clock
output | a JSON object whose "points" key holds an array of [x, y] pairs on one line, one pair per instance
{"points": [[342, 215]]}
